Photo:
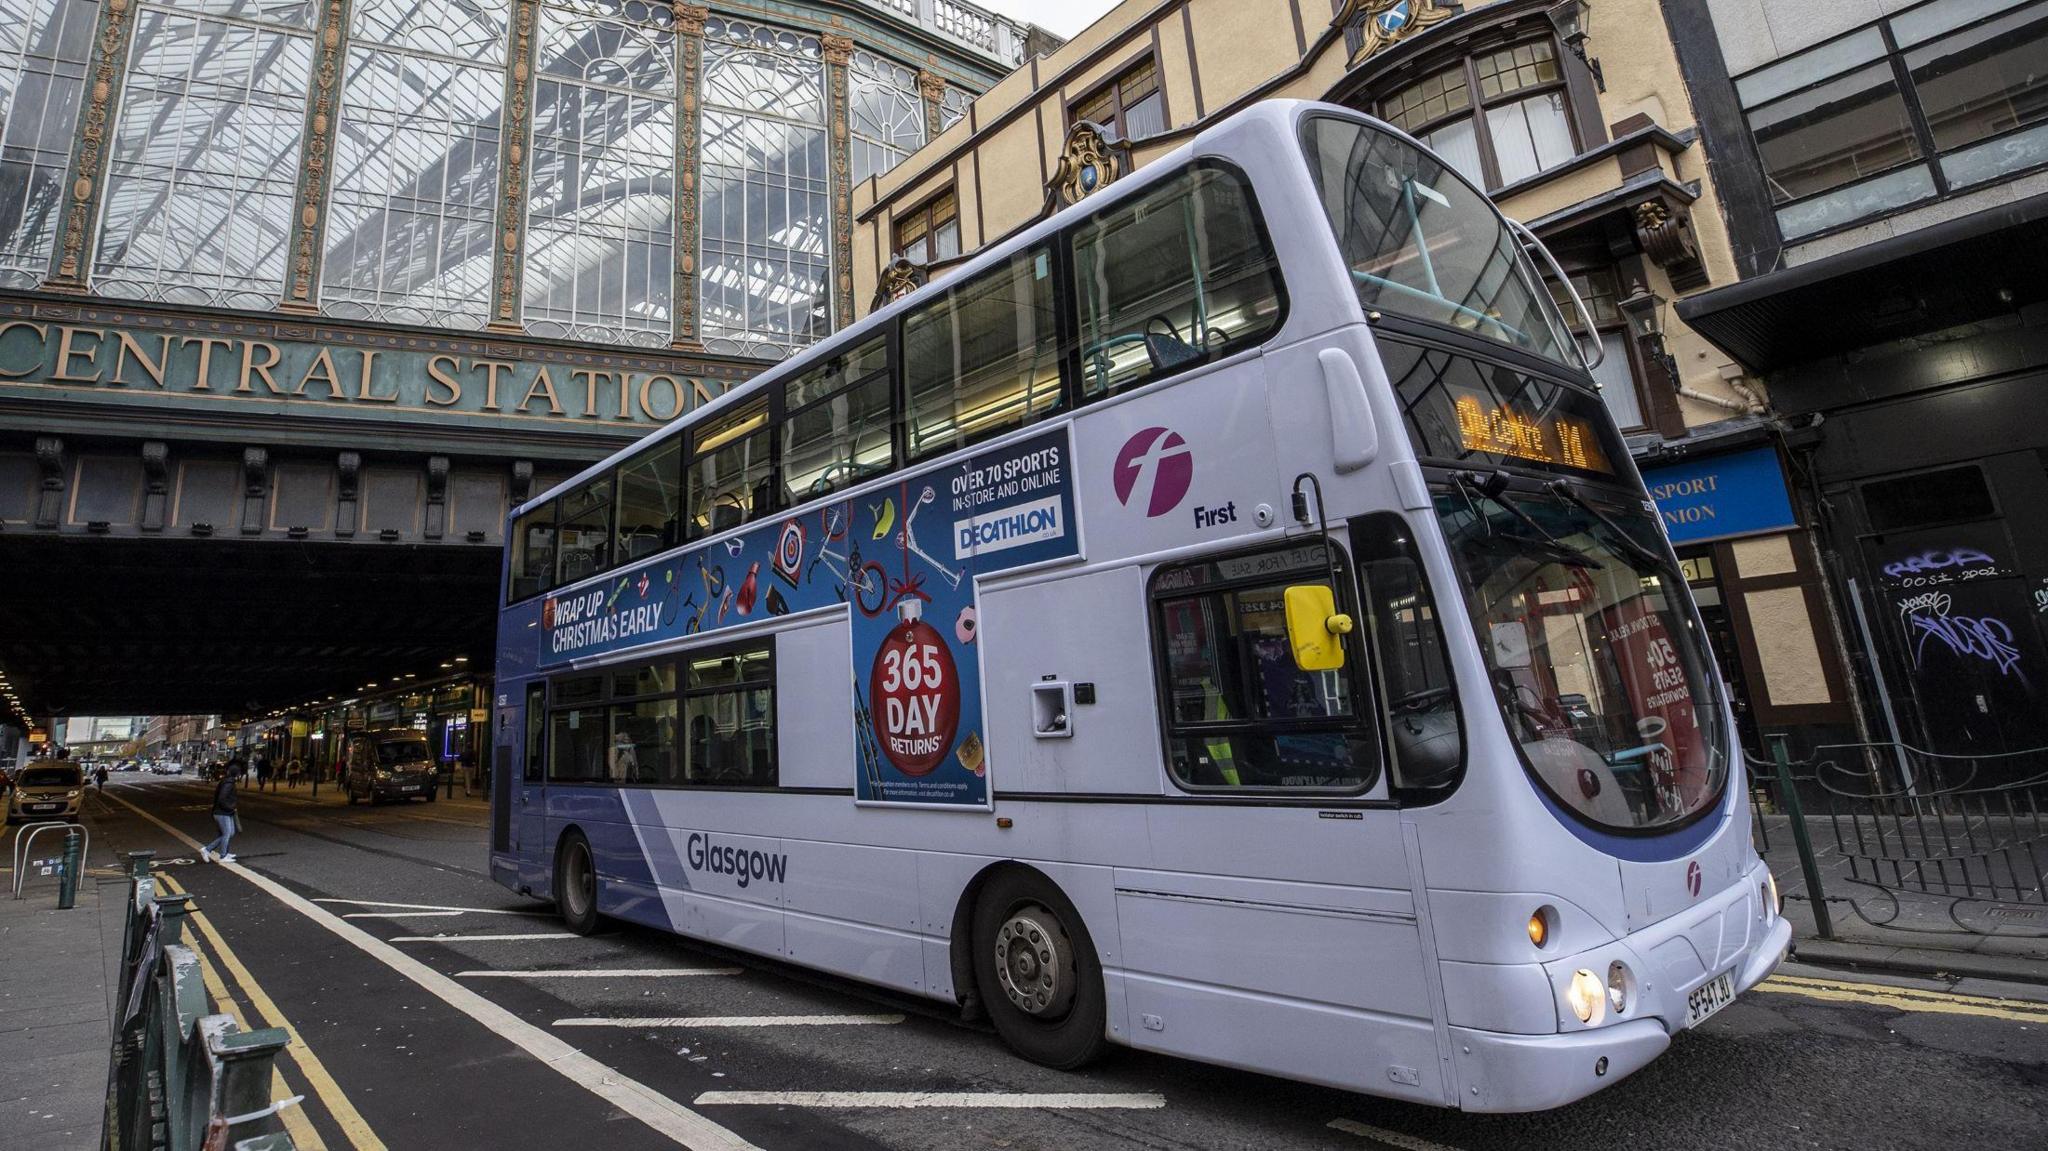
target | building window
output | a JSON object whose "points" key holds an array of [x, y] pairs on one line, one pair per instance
{"points": [[1928, 102], [767, 197], [1496, 116], [411, 215], [953, 104], [1131, 106], [43, 49], [205, 157], [1616, 373], [600, 213], [931, 231], [885, 113]]}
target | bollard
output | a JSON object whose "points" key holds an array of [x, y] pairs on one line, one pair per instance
{"points": [[67, 882], [1789, 795]]}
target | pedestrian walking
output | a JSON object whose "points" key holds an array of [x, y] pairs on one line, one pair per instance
{"points": [[265, 777], [223, 816], [294, 772], [100, 777]]}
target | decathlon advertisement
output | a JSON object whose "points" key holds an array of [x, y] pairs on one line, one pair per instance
{"points": [[903, 558], [917, 676]]}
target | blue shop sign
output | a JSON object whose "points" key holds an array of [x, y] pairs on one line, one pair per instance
{"points": [[1719, 497]]}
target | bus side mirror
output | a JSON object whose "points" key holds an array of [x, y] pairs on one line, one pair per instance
{"points": [[1315, 628]]}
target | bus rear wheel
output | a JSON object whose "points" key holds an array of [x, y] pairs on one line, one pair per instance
{"points": [[1037, 973], [576, 886]]}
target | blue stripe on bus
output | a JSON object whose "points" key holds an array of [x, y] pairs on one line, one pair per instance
{"points": [[1642, 848]]}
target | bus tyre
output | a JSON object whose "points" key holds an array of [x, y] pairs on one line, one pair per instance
{"points": [[576, 885], [1036, 971]]}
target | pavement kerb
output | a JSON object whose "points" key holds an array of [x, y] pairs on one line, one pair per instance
{"points": [[1919, 961]]}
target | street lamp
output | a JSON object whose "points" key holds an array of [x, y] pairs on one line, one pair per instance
{"points": [[1645, 311], [1573, 19]]}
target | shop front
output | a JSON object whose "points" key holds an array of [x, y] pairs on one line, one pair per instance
{"points": [[1751, 564]]}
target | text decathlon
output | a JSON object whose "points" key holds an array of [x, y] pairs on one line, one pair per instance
{"points": [[1009, 528], [742, 863]]}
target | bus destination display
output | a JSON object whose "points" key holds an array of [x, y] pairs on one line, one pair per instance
{"points": [[1544, 438]]}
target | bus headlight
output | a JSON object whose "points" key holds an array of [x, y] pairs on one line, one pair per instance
{"points": [[1617, 987], [1770, 894], [1585, 995]]}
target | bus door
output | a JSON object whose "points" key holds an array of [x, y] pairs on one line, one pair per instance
{"points": [[529, 816]]}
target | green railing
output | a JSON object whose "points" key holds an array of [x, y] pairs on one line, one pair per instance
{"points": [[182, 1078]]}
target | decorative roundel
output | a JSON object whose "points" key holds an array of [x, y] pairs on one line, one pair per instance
{"points": [[789, 550], [914, 695], [967, 626]]}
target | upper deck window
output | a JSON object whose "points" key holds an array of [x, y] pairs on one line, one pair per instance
{"points": [[836, 428], [1420, 242], [650, 516], [583, 526], [983, 358], [1174, 277], [732, 478]]}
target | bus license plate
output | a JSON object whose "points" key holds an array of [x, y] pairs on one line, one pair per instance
{"points": [[1709, 997]]}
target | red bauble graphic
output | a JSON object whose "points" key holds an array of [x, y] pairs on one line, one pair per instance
{"points": [[914, 694]]}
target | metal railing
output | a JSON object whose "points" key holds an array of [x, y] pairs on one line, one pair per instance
{"points": [[27, 836], [1967, 833], [182, 1078]]}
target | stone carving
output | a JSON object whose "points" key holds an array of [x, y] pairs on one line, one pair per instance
{"points": [[313, 168], [1089, 161], [838, 54], [109, 61], [512, 185], [899, 278], [1666, 238]]}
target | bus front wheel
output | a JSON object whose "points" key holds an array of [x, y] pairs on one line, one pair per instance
{"points": [[576, 886], [1036, 971]]}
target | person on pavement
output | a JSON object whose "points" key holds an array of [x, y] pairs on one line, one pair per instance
{"points": [[223, 816], [265, 778]]}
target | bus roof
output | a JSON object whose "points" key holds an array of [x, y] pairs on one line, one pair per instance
{"points": [[1280, 112]]}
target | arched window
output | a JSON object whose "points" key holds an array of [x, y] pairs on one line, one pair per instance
{"points": [[601, 208], [411, 213], [43, 50], [1498, 115], [767, 200], [205, 156], [885, 112], [953, 106]]}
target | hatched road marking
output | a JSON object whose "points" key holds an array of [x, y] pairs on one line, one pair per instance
{"points": [[601, 973], [740, 1021], [430, 907], [1906, 998], [1140, 1101], [671, 1119], [1390, 1138], [517, 936]]}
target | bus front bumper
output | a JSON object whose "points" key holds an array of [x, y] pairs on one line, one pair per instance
{"points": [[1505, 1072]]}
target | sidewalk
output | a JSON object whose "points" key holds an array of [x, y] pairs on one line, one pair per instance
{"points": [[1882, 930], [58, 974]]}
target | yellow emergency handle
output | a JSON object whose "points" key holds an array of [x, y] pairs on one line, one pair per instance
{"points": [[1315, 628]]}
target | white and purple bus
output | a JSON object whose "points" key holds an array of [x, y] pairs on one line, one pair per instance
{"points": [[1221, 619]]}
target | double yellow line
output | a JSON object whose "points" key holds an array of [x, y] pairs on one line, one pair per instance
{"points": [[1907, 998], [265, 1011]]}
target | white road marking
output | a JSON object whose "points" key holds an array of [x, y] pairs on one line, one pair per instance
{"points": [[625, 973], [671, 1119], [1390, 1138], [1142, 1101], [430, 907], [739, 1021], [399, 914], [517, 935]]}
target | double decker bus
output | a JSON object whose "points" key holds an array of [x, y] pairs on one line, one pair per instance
{"points": [[1221, 619]]}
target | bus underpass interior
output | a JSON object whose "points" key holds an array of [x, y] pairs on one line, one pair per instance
{"points": [[304, 640]]}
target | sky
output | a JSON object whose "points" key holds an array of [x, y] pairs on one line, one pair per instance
{"points": [[1062, 17]]}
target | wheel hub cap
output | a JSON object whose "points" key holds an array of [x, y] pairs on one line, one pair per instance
{"points": [[1034, 963]]}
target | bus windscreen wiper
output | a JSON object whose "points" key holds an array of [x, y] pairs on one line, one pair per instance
{"points": [[1494, 488], [1565, 491]]}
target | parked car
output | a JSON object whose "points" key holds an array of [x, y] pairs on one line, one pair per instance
{"points": [[390, 764], [46, 791]]}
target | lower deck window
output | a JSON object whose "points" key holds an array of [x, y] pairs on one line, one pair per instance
{"points": [[1238, 712], [638, 726]]}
